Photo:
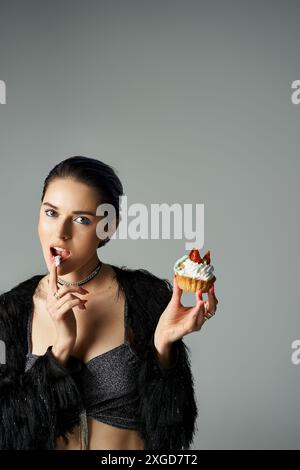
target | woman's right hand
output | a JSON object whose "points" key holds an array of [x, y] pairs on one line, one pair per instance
{"points": [[60, 310]]}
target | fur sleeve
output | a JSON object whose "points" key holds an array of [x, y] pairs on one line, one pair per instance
{"points": [[168, 406], [39, 405]]}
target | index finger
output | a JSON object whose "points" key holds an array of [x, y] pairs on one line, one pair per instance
{"points": [[53, 278]]}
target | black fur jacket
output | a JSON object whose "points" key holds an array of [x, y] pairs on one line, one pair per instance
{"points": [[44, 403]]}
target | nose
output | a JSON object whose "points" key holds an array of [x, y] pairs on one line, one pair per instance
{"points": [[63, 231]]}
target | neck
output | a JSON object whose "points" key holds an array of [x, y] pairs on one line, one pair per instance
{"points": [[82, 272]]}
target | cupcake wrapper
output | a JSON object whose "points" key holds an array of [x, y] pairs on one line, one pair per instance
{"points": [[193, 285]]}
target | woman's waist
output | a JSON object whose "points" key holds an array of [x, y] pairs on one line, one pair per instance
{"points": [[102, 436]]}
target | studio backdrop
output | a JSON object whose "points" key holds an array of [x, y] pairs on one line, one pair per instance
{"points": [[194, 104]]}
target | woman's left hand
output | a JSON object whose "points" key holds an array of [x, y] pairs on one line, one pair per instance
{"points": [[177, 320]]}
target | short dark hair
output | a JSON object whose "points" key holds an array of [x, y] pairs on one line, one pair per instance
{"points": [[91, 172]]}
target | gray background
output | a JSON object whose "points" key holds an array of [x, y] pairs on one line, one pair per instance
{"points": [[190, 102]]}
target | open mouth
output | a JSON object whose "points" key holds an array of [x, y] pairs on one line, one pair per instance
{"points": [[56, 251]]}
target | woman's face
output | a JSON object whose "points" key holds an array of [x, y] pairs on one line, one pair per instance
{"points": [[60, 226]]}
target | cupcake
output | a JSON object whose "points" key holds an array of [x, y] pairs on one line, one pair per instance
{"points": [[194, 273]]}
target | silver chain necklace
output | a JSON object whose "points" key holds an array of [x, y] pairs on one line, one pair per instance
{"points": [[83, 281]]}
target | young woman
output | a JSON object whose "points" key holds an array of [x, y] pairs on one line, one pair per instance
{"points": [[94, 352]]}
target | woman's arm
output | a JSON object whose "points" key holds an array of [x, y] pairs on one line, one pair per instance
{"points": [[40, 404], [168, 382], [168, 408]]}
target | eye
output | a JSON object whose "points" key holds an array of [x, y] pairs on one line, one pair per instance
{"points": [[49, 210], [86, 221]]}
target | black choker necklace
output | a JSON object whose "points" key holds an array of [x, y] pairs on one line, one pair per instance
{"points": [[83, 281]]}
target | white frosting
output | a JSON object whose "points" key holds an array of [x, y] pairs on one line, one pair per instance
{"points": [[57, 260], [201, 271]]}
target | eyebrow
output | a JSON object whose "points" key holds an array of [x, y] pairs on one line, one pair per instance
{"points": [[74, 212]]}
